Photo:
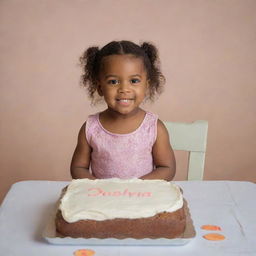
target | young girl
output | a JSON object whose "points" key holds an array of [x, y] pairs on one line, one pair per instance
{"points": [[124, 140]]}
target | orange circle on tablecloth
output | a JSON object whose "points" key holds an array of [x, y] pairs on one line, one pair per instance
{"points": [[84, 252], [211, 227], [214, 237]]}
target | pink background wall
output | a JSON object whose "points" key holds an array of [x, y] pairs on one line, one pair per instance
{"points": [[208, 55]]}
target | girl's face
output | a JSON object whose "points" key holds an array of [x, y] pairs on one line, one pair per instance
{"points": [[123, 83]]}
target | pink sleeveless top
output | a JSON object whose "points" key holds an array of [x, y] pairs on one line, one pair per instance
{"points": [[121, 155]]}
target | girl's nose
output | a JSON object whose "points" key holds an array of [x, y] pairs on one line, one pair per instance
{"points": [[124, 87]]}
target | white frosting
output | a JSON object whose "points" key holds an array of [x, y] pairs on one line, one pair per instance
{"points": [[105, 199]]}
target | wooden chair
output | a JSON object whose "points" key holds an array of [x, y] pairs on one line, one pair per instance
{"points": [[191, 137]]}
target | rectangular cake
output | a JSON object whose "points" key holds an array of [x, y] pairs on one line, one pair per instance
{"points": [[116, 208]]}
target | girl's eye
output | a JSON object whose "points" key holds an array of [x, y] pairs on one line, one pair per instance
{"points": [[135, 81], [113, 81]]}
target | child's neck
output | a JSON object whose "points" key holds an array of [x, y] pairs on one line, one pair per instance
{"points": [[120, 123], [114, 115]]}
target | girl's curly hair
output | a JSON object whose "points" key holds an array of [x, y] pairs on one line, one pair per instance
{"points": [[92, 58]]}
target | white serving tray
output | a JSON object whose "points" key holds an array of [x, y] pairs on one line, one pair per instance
{"points": [[52, 237]]}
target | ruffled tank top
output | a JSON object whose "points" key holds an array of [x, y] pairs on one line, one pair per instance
{"points": [[121, 155]]}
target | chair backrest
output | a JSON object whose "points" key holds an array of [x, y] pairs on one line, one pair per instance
{"points": [[191, 137]]}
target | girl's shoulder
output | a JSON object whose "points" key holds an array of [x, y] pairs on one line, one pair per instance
{"points": [[91, 125], [150, 119], [158, 124], [151, 115], [92, 117], [92, 120]]}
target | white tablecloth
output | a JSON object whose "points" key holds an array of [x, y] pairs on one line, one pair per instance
{"points": [[229, 204]]}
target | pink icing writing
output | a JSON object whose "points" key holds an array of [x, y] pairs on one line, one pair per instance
{"points": [[126, 192]]}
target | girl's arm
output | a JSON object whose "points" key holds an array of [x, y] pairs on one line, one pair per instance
{"points": [[163, 156], [81, 158]]}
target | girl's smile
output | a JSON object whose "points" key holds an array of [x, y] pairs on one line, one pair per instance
{"points": [[123, 83], [124, 102]]}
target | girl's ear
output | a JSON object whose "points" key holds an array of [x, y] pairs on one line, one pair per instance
{"points": [[147, 89], [99, 90], [147, 86], [148, 83]]}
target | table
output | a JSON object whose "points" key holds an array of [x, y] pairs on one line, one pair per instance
{"points": [[229, 204]]}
